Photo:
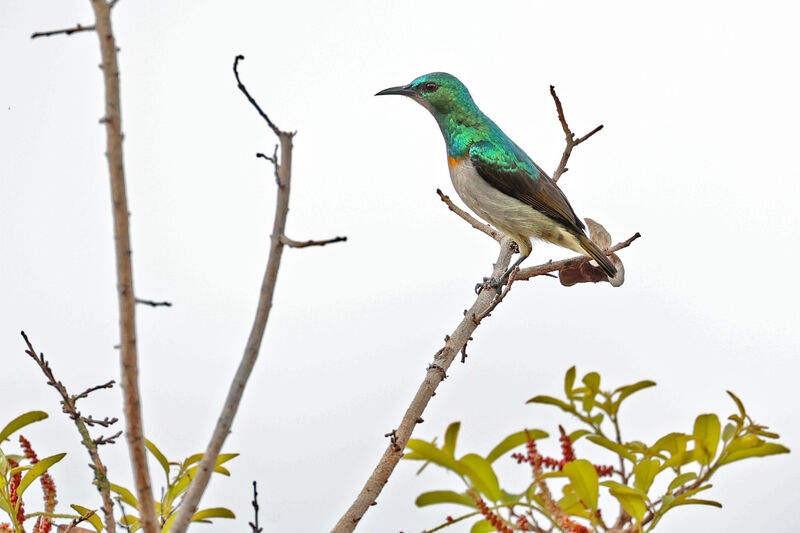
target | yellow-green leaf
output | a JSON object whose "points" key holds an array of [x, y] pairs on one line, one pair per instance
{"points": [[512, 441], [95, 520], [450, 436], [645, 472], [20, 422], [761, 450], [480, 473], [482, 526], [37, 470], [615, 447], [125, 495], [158, 455], [426, 451], [583, 478], [698, 502], [706, 434], [728, 432], [739, 403], [444, 496], [630, 499], [213, 512], [592, 380], [681, 479], [549, 400], [569, 381]]}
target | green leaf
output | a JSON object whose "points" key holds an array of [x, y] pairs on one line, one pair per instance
{"points": [[645, 472], [20, 422], [592, 380], [681, 479], [549, 400], [700, 502], [159, 456], [450, 436], [588, 401], [761, 450], [125, 495], [630, 499], [739, 404], [578, 433], [444, 496], [615, 447], [482, 526], [426, 451], [706, 434], [583, 477], [728, 432], [213, 512], [569, 381], [627, 390], [571, 504], [512, 441], [480, 473], [37, 470], [95, 520]]}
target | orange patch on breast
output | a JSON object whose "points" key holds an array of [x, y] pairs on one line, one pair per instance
{"points": [[452, 161]]}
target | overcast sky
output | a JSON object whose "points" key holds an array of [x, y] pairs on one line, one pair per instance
{"points": [[698, 153]]}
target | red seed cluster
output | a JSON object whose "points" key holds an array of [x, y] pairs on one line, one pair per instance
{"points": [[498, 523], [43, 523]]}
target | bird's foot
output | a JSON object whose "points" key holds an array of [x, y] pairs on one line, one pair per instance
{"points": [[490, 283]]}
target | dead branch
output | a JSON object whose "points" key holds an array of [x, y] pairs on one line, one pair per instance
{"points": [[72, 525], [283, 175], [127, 300], [254, 525], [69, 31], [570, 137], [435, 374], [68, 406], [474, 222], [305, 244]]}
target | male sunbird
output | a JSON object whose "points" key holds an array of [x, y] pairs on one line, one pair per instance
{"points": [[495, 178]]}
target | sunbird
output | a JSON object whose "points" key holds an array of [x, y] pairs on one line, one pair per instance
{"points": [[495, 178]]}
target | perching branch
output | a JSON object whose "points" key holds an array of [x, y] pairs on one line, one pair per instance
{"points": [[68, 405], [570, 137], [69, 31], [486, 302], [283, 173], [152, 303], [437, 371], [305, 244]]}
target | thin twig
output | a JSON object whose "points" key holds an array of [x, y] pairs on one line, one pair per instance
{"points": [[474, 222], [570, 137], [106, 422], [68, 406], [107, 440], [305, 244], [283, 173], [435, 374], [69, 31], [125, 294], [85, 516], [152, 303], [87, 392], [254, 525]]}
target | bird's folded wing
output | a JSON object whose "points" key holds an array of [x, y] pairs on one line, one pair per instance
{"points": [[519, 177]]}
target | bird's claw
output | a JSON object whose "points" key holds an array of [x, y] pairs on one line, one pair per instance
{"points": [[491, 283]]}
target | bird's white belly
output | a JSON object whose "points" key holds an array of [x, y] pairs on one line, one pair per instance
{"points": [[516, 219]]}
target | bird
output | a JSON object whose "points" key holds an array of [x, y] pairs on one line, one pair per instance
{"points": [[497, 180]]}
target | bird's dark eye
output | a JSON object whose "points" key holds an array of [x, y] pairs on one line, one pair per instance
{"points": [[430, 87]]}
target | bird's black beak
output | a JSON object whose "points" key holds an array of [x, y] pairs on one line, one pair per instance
{"points": [[405, 90]]}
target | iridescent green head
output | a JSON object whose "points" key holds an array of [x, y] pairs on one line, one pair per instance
{"points": [[439, 92]]}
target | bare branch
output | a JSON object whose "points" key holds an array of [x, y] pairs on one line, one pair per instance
{"points": [[71, 526], [151, 303], [283, 175], [69, 31], [107, 440], [435, 374], [305, 244], [90, 390], [106, 422], [68, 406], [125, 293], [474, 222], [570, 137], [554, 266]]}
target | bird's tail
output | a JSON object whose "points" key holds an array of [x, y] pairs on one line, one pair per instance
{"points": [[595, 253]]}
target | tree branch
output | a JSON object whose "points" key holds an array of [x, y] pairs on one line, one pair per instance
{"points": [[437, 371], [570, 137], [68, 406], [69, 31], [474, 222], [283, 174], [127, 301], [152, 303], [305, 244]]}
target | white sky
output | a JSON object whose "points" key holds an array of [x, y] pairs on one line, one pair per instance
{"points": [[699, 102]]}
